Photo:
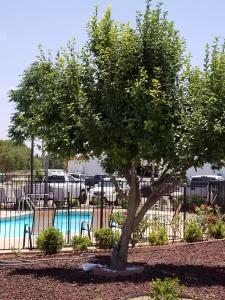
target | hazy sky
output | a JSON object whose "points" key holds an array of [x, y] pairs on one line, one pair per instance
{"points": [[25, 24]]}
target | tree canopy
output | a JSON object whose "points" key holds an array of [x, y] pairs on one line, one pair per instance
{"points": [[131, 98], [15, 157]]}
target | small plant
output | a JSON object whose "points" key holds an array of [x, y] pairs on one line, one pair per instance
{"points": [[197, 201], [38, 175], [167, 289], [50, 241], [124, 203], [105, 238], [118, 218], [16, 251], [74, 202], [217, 229], [179, 199], [139, 231], [158, 236], [96, 201], [59, 204], [193, 231], [80, 243]]}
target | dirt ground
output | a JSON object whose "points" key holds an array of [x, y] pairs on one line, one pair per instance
{"points": [[200, 268]]}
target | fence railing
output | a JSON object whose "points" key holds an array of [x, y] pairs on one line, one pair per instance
{"points": [[77, 202]]}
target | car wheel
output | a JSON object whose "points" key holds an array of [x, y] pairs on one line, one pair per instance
{"points": [[83, 197]]}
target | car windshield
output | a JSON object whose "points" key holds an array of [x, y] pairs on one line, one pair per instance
{"points": [[72, 179], [56, 178], [107, 184], [202, 181]]}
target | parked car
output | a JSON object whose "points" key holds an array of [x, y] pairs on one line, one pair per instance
{"points": [[105, 187], [202, 185], [203, 188], [98, 178], [75, 187], [79, 176]]}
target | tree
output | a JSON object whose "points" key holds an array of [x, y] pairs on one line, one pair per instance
{"points": [[15, 157], [130, 98]]}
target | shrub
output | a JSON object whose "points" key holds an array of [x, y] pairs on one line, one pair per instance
{"points": [[193, 231], [167, 289], [38, 175], [158, 236], [124, 203], [80, 243], [96, 201], [59, 204], [197, 201], [74, 202], [105, 238], [139, 231], [217, 229], [206, 215], [179, 199], [50, 241], [119, 218]]}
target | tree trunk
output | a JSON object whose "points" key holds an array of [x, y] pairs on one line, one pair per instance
{"points": [[120, 253]]}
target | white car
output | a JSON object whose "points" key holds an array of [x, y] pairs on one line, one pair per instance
{"points": [[106, 188], [71, 187]]}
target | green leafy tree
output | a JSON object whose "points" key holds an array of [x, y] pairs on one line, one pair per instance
{"points": [[15, 157], [130, 98]]}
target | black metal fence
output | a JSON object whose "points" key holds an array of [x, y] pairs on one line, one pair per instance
{"points": [[80, 207]]}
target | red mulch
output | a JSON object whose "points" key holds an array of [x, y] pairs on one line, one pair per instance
{"points": [[200, 268]]}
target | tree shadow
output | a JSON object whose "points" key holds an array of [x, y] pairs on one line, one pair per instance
{"points": [[189, 275]]}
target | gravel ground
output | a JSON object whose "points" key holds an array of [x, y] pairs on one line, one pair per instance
{"points": [[200, 268]]}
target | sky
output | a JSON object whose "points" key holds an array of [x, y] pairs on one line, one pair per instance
{"points": [[26, 24]]}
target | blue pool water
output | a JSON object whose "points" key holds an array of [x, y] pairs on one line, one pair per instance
{"points": [[13, 227]]}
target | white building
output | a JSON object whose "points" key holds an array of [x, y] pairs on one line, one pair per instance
{"points": [[90, 167]]}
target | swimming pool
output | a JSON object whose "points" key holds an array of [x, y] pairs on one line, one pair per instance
{"points": [[67, 223]]}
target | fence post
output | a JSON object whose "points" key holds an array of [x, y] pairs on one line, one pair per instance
{"points": [[209, 193], [68, 211], [102, 200], [185, 205], [32, 164]]}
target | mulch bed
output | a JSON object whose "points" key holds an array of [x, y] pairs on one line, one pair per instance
{"points": [[200, 268]]}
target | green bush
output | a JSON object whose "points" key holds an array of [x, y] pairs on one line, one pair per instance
{"points": [[50, 241], [124, 203], [80, 243], [38, 175], [74, 202], [59, 204], [158, 236], [96, 201], [139, 232], [196, 200], [119, 218], [179, 199], [167, 289], [217, 229], [193, 231], [105, 238]]}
